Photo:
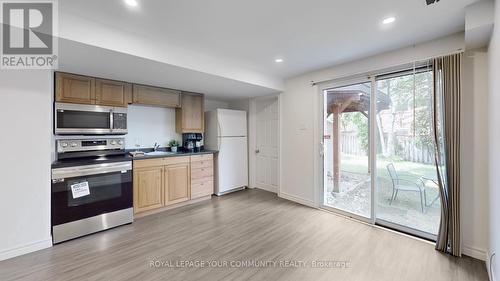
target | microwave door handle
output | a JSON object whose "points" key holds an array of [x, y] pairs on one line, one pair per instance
{"points": [[111, 121]]}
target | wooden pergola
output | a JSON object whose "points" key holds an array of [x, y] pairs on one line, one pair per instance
{"points": [[354, 98]]}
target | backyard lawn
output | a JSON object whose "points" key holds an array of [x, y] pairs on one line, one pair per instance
{"points": [[358, 164], [404, 210]]}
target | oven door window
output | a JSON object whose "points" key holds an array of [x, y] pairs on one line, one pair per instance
{"points": [[88, 196], [72, 119], [88, 190]]}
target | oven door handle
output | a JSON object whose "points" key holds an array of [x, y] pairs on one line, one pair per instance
{"points": [[97, 169]]}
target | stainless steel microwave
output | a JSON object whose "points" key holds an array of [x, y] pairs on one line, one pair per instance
{"points": [[81, 119]]}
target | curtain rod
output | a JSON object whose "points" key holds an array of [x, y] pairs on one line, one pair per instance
{"points": [[405, 71], [370, 73]]}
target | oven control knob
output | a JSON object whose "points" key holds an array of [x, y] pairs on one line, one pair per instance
{"points": [[64, 144], [113, 142], [120, 142], [74, 144]]}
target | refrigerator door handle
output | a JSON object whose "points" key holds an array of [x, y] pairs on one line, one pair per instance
{"points": [[218, 135], [219, 128]]}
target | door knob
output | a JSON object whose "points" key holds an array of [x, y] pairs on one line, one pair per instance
{"points": [[257, 151]]}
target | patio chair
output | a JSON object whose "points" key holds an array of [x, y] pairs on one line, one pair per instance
{"points": [[402, 184]]}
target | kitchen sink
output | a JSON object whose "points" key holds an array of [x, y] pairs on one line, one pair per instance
{"points": [[157, 153]]}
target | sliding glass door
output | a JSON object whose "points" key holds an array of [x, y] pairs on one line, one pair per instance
{"points": [[346, 135], [378, 151], [407, 191]]}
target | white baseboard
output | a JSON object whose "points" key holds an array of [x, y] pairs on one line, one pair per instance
{"points": [[270, 189], [25, 249], [296, 199], [475, 252]]}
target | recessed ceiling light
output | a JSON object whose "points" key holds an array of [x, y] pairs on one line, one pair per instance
{"points": [[389, 20], [278, 60], [132, 3]]}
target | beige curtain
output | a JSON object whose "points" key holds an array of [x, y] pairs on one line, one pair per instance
{"points": [[447, 99]]}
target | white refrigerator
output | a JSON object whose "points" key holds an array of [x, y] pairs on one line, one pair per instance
{"points": [[226, 131]]}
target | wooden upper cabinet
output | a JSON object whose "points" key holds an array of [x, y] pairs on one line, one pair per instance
{"points": [[156, 96], [190, 117], [177, 183], [75, 88], [112, 93], [148, 188]]}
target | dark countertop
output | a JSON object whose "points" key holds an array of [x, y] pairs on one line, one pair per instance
{"points": [[180, 153], [120, 158]]}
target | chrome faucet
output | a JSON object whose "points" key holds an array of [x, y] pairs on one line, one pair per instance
{"points": [[156, 147]]}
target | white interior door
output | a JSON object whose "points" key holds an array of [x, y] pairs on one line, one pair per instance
{"points": [[266, 150]]}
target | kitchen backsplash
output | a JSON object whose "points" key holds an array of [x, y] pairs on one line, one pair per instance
{"points": [[147, 125]]}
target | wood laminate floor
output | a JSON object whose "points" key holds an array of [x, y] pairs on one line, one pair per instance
{"points": [[250, 225]]}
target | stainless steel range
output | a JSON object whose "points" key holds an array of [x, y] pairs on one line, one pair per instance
{"points": [[91, 187]]}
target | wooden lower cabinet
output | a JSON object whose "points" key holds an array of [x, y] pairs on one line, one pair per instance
{"points": [[202, 187], [177, 183], [148, 188], [202, 175], [162, 182]]}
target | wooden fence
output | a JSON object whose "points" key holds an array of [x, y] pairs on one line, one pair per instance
{"points": [[413, 152], [350, 144], [408, 150]]}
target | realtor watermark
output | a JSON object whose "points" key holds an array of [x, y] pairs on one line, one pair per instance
{"points": [[332, 264], [29, 34]]}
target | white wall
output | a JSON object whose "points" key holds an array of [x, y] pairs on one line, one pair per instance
{"points": [[212, 104], [300, 113], [474, 168], [241, 104], [148, 124], [494, 148], [25, 123]]}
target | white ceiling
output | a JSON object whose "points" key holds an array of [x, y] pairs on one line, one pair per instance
{"points": [[308, 34], [244, 37]]}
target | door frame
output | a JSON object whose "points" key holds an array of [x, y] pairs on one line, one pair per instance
{"points": [[252, 141], [319, 159], [321, 87]]}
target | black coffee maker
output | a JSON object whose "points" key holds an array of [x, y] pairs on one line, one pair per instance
{"points": [[192, 142]]}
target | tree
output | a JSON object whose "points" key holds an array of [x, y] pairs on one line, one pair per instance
{"points": [[409, 94], [360, 125]]}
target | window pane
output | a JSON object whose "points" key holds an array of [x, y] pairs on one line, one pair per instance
{"points": [[407, 193], [346, 157]]}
